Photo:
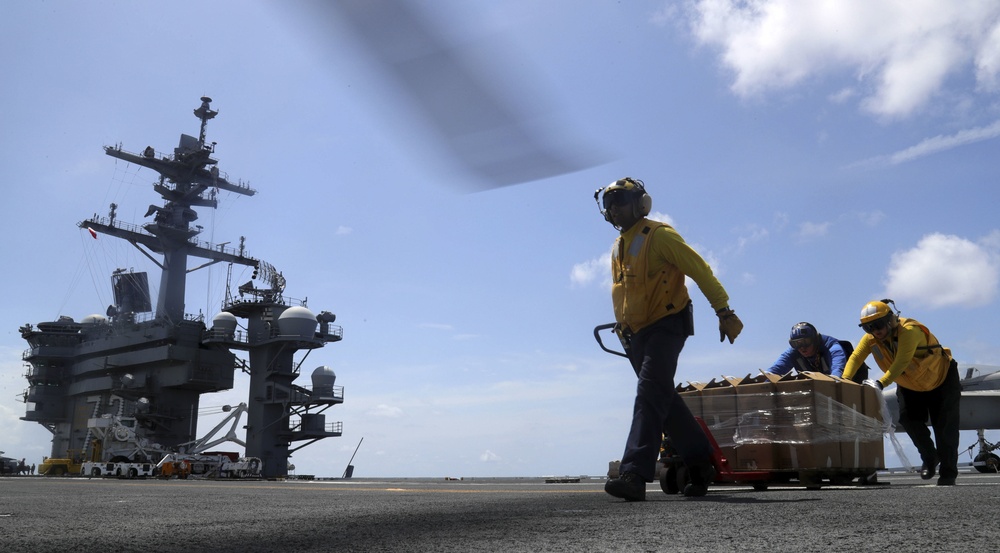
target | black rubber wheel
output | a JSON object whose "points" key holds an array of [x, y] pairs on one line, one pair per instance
{"points": [[810, 480], [760, 486], [992, 462], [841, 480], [668, 481]]}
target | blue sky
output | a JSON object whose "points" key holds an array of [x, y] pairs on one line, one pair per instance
{"points": [[818, 155]]}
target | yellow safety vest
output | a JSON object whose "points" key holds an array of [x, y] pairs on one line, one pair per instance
{"points": [[640, 298], [929, 366]]}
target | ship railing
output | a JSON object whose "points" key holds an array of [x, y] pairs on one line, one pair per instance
{"points": [[140, 229], [152, 153], [335, 392], [107, 221], [330, 329], [295, 425], [43, 372], [216, 334]]}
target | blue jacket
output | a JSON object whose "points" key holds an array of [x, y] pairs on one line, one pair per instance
{"points": [[830, 358]]}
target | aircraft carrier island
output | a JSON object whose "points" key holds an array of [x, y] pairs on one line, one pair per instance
{"points": [[121, 390]]}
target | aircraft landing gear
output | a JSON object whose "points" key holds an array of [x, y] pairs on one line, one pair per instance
{"points": [[984, 460]]}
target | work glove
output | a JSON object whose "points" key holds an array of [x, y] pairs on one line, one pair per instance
{"points": [[873, 383], [730, 325]]}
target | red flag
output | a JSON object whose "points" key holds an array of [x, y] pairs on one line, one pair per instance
{"points": [[92, 232]]}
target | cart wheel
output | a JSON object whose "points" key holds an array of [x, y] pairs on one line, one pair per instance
{"points": [[869, 480], [810, 480], [668, 481], [760, 486], [841, 479]]}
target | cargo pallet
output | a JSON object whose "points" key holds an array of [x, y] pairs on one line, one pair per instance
{"points": [[674, 477]]}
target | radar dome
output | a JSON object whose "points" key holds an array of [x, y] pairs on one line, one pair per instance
{"points": [[297, 321], [224, 321], [323, 379], [95, 319]]}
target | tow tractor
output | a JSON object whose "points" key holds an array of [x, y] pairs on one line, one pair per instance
{"points": [[196, 460], [673, 474]]}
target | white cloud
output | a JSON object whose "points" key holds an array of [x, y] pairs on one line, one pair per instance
{"points": [[944, 270], [842, 95], [940, 143], [933, 145], [436, 326], [808, 230], [584, 273], [901, 53], [781, 220], [342, 230], [871, 218], [988, 61], [662, 217], [489, 457], [750, 235]]}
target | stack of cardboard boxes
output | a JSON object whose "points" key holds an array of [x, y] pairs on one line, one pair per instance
{"points": [[806, 421]]}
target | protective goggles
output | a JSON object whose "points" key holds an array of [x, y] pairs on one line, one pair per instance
{"points": [[799, 343], [874, 325], [616, 197]]}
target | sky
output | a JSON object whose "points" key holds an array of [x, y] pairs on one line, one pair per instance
{"points": [[817, 154]]}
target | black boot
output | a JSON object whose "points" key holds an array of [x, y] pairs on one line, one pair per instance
{"points": [[628, 486], [929, 469], [701, 476]]}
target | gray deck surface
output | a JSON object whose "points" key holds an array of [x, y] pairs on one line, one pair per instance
{"points": [[85, 515]]}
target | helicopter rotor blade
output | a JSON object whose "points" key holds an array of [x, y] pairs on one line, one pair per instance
{"points": [[476, 112]]}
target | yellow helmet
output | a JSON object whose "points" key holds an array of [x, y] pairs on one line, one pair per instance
{"points": [[875, 315], [624, 191]]}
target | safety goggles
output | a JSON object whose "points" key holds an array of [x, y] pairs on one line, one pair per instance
{"points": [[616, 197], [874, 325], [800, 343]]}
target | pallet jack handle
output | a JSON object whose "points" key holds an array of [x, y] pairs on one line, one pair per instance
{"points": [[597, 336]]}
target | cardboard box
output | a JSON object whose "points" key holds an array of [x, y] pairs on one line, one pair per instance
{"points": [[691, 394], [756, 406], [849, 394], [872, 450], [806, 414], [719, 411]]}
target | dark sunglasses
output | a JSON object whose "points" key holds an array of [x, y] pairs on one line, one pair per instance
{"points": [[874, 325], [616, 197]]}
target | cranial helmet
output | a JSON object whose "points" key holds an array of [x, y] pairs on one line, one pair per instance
{"points": [[621, 192], [803, 334], [877, 314]]}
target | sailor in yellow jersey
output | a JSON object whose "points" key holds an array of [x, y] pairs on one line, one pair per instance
{"points": [[654, 315], [927, 383]]}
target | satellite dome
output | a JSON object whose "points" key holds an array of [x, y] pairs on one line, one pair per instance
{"points": [[224, 321], [95, 319], [323, 379], [297, 321]]}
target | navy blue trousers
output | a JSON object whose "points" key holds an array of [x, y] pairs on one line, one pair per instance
{"points": [[658, 408], [941, 406]]}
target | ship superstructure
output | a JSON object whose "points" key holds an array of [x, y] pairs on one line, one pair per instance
{"points": [[153, 364]]}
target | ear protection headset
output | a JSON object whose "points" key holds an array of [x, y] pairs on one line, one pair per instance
{"points": [[641, 201]]}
